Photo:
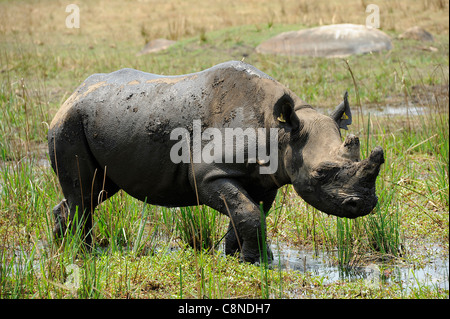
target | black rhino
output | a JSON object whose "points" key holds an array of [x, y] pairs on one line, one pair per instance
{"points": [[116, 131]]}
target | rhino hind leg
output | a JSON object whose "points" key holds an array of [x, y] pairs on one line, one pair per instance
{"points": [[82, 181], [84, 190], [60, 214], [232, 243]]}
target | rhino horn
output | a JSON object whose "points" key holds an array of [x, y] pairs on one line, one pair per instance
{"points": [[370, 167], [350, 149]]}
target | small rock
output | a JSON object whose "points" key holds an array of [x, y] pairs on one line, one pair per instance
{"points": [[156, 46], [429, 48], [417, 33]]}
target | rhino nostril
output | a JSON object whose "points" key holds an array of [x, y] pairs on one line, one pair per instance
{"points": [[352, 204]]}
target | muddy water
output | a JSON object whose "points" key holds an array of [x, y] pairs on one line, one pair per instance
{"points": [[434, 273]]}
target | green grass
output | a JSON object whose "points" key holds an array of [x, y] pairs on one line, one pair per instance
{"points": [[201, 227], [143, 251]]}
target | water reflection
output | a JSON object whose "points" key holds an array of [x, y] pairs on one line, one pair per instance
{"points": [[435, 273]]}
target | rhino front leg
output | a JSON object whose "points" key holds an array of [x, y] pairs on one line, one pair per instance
{"points": [[232, 242], [247, 228]]}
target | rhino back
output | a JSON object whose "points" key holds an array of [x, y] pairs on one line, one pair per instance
{"points": [[128, 116]]}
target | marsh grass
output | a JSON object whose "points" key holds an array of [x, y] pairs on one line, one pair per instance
{"points": [[201, 227]]}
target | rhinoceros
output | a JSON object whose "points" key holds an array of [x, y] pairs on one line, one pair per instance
{"points": [[116, 131]]}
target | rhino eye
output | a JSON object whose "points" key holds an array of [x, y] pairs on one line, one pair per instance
{"points": [[319, 174], [325, 171]]}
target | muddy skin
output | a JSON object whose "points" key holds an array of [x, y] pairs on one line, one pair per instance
{"points": [[114, 133]]}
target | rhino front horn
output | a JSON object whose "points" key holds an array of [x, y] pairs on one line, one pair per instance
{"points": [[372, 165], [377, 156]]}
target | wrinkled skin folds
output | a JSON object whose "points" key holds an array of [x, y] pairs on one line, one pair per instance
{"points": [[114, 133]]}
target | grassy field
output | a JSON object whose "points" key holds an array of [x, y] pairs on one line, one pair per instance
{"points": [[141, 250]]}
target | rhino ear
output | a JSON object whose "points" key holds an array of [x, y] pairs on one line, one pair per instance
{"points": [[284, 113], [342, 114]]}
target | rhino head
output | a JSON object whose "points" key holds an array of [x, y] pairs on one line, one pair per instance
{"points": [[326, 172]]}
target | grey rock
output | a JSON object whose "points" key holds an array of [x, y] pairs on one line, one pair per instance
{"points": [[338, 40]]}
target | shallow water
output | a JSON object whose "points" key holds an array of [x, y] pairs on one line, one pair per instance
{"points": [[435, 273], [392, 110], [386, 110]]}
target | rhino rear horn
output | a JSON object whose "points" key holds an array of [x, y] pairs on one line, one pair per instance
{"points": [[342, 114]]}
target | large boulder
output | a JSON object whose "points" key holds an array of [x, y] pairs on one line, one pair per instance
{"points": [[337, 40]]}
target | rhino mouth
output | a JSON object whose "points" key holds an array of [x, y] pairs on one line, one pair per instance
{"points": [[355, 199], [349, 206], [342, 194], [355, 206], [348, 190]]}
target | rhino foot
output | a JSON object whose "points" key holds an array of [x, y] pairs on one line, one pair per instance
{"points": [[60, 213], [248, 252], [256, 257]]}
